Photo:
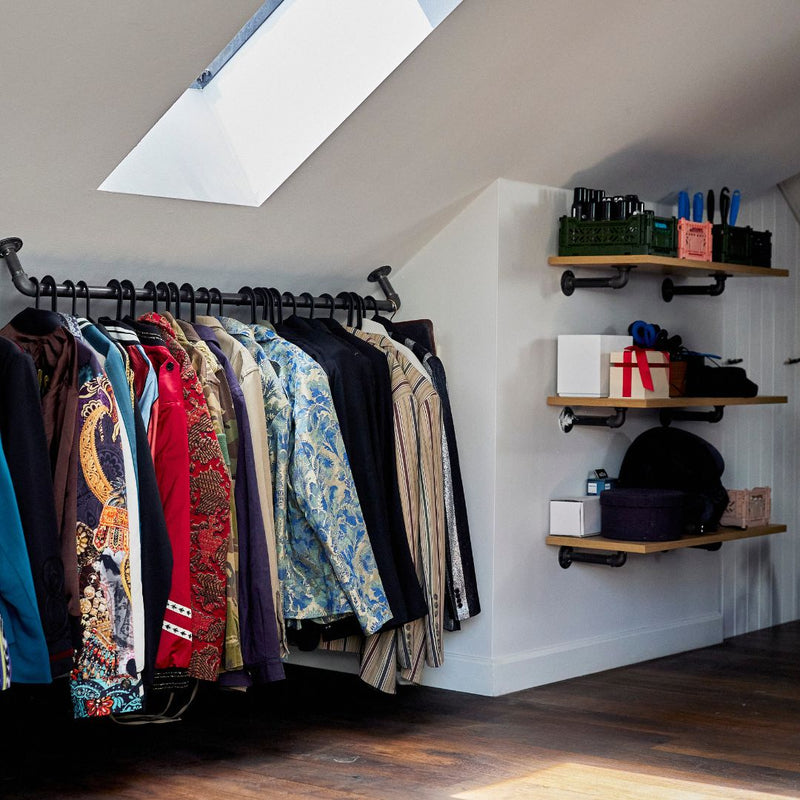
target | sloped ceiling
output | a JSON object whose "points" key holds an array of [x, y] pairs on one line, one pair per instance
{"points": [[628, 96]]}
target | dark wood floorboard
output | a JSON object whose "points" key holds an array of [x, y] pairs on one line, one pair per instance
{"points": [[722, 722]]}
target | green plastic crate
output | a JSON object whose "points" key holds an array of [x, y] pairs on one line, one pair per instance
{"points": [[732, 244], [640, 234]]}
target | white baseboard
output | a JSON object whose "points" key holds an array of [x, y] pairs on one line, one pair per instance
{"points": [[493, 677]]}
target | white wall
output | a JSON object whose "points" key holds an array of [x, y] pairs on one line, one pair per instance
{"points": [[497, 316], [454, 282]]}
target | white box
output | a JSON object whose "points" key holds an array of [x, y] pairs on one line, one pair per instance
{"points": [[575, 516], [583, 363], [626, 381]]}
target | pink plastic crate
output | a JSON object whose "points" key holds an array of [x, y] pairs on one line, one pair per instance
{"points": [[694, 240], [748, 508]]}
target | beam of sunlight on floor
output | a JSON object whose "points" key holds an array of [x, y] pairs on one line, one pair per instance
{"points": [[585, 782]]}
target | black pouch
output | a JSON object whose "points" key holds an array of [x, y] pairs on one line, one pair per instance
{"points": [[705, 380]]}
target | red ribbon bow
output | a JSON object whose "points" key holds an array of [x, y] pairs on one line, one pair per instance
{"points": [[627, 369]]}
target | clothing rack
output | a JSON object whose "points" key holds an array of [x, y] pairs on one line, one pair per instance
{"points": [[171, 295]]}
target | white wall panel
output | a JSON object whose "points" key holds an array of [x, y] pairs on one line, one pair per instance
{"points": [[759, 444]]}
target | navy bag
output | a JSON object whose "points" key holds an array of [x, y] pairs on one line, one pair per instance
{"points": [[671, 458]]}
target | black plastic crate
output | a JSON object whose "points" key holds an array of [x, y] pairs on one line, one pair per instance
{"points": [[761, 248], [640, 234], [731, 244]]}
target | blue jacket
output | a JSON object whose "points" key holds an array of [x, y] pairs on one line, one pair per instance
{"points": [[22, 626]]}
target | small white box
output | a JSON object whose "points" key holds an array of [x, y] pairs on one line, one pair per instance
{"points": [[583, 363], [575, 516]]}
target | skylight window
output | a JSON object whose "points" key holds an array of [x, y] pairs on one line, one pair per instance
{"points": [[291, 76]]}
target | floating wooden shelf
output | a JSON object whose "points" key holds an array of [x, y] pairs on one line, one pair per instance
{"points": [[668, 266], [719, 536], [672, 408], [664, 402]]}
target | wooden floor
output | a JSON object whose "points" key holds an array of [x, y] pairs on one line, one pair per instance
{"points": [[722, 722]]}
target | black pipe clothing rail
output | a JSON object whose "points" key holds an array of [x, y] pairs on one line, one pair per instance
{"points": [[171, 295]]}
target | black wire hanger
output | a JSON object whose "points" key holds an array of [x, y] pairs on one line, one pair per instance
{"points": [[173, 289], [83, 286], [117, 287], [189, 289], [73, 293], [249, 293], [50, 282], [128, 286], [331, 303]]}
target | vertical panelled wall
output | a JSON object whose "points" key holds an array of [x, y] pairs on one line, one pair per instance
{"points": [[759, 576]]}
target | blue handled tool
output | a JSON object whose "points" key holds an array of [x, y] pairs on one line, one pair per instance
{"points": [[736, 199], [697, 207], [683, 205]]}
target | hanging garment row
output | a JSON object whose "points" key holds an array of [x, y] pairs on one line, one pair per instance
{"points": [[188, 499]]}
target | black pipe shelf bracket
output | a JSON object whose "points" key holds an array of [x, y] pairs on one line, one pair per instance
{"points": [[667, 415], [670, 290], [170, 293], [568, 418], [569, 283], [569, 555]]}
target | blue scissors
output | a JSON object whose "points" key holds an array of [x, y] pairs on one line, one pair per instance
{"points": [[643, 333]]}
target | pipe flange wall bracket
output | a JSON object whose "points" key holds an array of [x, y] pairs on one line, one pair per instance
{"points": [[569, 283], [670, 290], [567, 556], [567, 419]]}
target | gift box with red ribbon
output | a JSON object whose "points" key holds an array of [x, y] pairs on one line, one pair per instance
{"points": [[639, 373]]}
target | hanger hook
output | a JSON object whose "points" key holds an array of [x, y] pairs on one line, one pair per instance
{"points": [[330, 301], [268, 303], [250, 295], [50, 283], [217, 294], [309, 298], [189, 289], [290, 300], [277, 304], [73, 293], [164, 286], [348, 299], [117, 287], [83, 286], [151, 287], [358, 306], [173, 289], [202, 291], [261, 297], [128, 286], [370, 299]]}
